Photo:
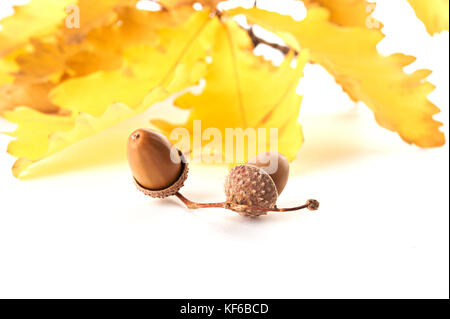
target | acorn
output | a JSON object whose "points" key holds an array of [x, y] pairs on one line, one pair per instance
{"points": [[257, 183], [159, 170], [252, 189]]}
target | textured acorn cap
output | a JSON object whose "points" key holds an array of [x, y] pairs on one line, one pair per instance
{"points": [[251, 186], [172, 189]]}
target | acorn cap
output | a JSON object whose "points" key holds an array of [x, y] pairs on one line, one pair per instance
{"points": [[249, 185], [171, 190]]}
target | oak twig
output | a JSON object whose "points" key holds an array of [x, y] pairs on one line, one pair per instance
{"points": [[257, 40], [310, 204]]}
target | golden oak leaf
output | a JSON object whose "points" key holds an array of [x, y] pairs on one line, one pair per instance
{"points": [[105, 46], [47, 17], [433, 13], [33, 131], [349, 13], [102, 48], [135, 27], [7, 68], [149, 76], [180, 51], [49, 61], [244, 91], [398, 100], [15, 94], [43, 60], [36, 73], [41, 135], [92, 15], [35, 94], [37, 18]]}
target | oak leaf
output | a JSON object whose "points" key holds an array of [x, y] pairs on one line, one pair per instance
{"points": [[35, 94], [48, 61], [15, 92], [7, 67], [37, 18], [398, 100], [177, 59], [348, 13], [244, 91], [433, 13], [92, 15], [41, 135], [101, 48]]}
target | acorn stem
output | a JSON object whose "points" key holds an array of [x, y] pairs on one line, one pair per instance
{"points": [[310, 204], [193, 205]]}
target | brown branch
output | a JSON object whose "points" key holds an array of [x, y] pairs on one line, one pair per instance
{"points": [[311, 204], [257, 40], [192, 205]]}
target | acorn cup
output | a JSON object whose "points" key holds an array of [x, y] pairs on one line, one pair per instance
{"points": [[252, 190]]}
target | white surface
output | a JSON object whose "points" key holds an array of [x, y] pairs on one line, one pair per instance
{"points": [[382, 230]]}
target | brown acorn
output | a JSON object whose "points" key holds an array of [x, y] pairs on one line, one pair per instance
{"points": [[257, 183], [156, 173], [274, 164], [252, 189]]}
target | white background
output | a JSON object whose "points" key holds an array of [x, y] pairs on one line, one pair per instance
{"points": [[382, 230]]}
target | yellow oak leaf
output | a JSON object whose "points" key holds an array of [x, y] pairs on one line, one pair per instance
{"points": [[134, 27], [37, 18], [180, 51], [433, 13], [93, 14], [41, 135], [45, 57], [15, 94], [33, 131], [31, 77], [7, 68], [101, 49], [104, 47], [49, 55], [34, 76], [35, 94], [48, 61], [73, 19], [398, 100], [154, 74], [244, 91], [42, 61], [349, 13]]}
